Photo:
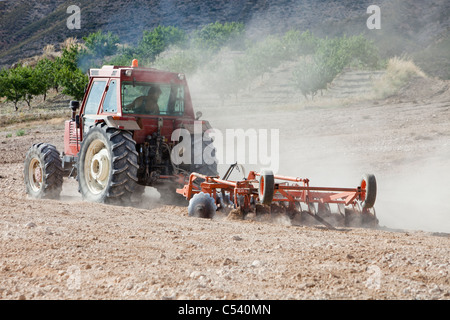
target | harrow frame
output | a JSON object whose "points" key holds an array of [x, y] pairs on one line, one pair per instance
{"points": [[265, 188]]}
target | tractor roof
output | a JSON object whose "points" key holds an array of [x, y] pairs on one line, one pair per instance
{"points": [[114, 71]]}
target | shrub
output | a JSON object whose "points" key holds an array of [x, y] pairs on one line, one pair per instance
{"points": [[398, 72]]}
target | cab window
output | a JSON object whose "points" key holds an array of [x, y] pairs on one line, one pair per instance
{"points": [[136, 96], [110, 103], [95, 96]]}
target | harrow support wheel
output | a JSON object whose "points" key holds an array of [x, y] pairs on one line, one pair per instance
{"points": [[43, 172], [369, 183], [266, 187]]}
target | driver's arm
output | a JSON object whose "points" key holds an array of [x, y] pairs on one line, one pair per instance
{"points": [[134, 104]]}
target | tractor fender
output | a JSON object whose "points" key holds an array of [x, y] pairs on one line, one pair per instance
{"points": [[117, 122], [122, 123]]}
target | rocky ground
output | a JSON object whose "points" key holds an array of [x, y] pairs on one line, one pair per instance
{"points": [[70, 249]]}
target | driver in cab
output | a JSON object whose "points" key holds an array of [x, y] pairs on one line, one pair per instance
{"points": [[147, 104]]}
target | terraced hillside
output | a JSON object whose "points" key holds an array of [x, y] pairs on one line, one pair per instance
{"points": [[412, 27]]}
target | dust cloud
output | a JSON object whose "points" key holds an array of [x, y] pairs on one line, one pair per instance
{"points": [[327, 146], [416, 197]]}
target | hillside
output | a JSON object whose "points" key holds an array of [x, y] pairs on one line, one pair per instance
{"points": [[413, 27]]}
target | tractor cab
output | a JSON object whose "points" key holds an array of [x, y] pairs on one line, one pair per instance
{"points": [[124, 98]]}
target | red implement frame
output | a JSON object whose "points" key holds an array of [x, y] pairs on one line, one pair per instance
{"points": [[298, 191], [289, 191]]}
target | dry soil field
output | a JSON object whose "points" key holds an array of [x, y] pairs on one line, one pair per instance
{"points": [[70, 249]]}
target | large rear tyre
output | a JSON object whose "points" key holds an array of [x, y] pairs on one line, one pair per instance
{"points": [[107, 165], [369, 184], [43, 172]]}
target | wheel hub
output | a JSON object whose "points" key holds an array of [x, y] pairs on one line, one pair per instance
{"points": [[97, 166], [100, 166], [35, 174]]}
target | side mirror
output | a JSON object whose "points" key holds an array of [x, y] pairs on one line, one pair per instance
{"points": [[74, 105], [198, 114]]}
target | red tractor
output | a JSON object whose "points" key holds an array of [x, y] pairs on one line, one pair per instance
{"points": [[121, 138]]}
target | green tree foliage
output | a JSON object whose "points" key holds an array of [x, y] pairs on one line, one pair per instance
{"points": [[69, 58], [156, 41], [24, 83], [68, 75], [35, 85], [46, 71], [226, 76], [216, 35], [11, 87], [124, 57], [296, 43], [177, 60], [19, 83], [338, 53], [330, 58], [211, 49], [74, 82], [264, 55], [310, 77], [101, 44]]}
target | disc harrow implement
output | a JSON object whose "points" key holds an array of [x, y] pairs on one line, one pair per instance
{"points": [[265, 193]]}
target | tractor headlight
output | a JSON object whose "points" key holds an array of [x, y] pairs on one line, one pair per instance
{"points": [[128, 73]]}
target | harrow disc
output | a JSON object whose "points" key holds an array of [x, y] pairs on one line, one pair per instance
{"points": [[202, 205]]}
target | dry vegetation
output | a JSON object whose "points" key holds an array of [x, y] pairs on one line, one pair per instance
{"points": [[398, 72]]}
